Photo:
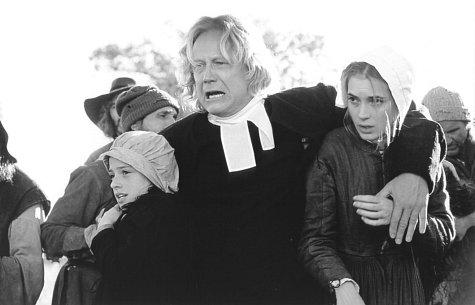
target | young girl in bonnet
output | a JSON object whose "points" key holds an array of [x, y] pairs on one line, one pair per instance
{"points": [[140, 244], [345, 243]]}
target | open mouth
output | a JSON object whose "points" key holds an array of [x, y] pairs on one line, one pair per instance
{"points": [[120, 196], [210, 95]]}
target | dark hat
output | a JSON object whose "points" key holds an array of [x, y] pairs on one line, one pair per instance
{"points": [[140, 101], [5, 156], [93, 105]]}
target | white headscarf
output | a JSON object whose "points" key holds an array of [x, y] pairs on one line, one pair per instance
{"points": [[148, 153], [398, 74]]}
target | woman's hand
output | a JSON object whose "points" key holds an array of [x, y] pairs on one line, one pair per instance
{"points": [[374, 210], [347, 294]]}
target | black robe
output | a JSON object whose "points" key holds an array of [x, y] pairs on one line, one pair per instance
{"points": [[144, 258]]}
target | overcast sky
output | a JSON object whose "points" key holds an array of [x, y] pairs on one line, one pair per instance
{"points": [[45, 72]]}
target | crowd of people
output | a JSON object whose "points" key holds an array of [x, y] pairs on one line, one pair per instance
{"points": [[255, 198]]}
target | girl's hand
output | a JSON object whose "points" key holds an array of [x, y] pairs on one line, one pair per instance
{"points": [[110, 217], [374, 210], [347, 294]]}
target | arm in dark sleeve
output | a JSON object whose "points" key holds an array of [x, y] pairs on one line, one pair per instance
{"points": [[310, 112], [461, 189], [434, 243], [419, 148], [431, 247], [117, 253], [86, 193], [317, 247]]}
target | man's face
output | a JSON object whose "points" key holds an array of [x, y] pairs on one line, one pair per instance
{"points": [[455, 134], [157, 120], [221, 86]]}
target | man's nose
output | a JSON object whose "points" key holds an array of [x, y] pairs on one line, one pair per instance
{"points": [[208, 74], [170, 120]]}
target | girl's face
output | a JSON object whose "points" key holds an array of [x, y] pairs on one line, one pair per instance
{"points": [[370, 107], [456, 134], [127, 183]]}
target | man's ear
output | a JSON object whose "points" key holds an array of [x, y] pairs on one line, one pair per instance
{"points": [[136, 126]]}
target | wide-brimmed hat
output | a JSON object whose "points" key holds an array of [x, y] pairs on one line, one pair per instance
{"points": [[93, 105]]}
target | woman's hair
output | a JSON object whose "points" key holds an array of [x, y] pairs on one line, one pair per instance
{"points": [[245, 50], [106, 123], [7, 161], [370, 73]]}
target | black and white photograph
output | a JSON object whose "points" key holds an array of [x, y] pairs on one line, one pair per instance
{"points": [[237, 152]]}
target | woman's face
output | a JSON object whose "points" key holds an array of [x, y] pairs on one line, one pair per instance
{"points": [[127, 183], [221, 86], [455, 134], [370, 107]]}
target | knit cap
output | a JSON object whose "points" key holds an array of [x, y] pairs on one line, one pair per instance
{"points": [[445, 105], [139, 101], [148, 153]]}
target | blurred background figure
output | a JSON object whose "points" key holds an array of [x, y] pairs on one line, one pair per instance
{"points": [[448, 108], [22, 209], [144, 108], [101, 110]]}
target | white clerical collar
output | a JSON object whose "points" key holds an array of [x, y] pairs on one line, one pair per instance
{"points": [[235, 136]]}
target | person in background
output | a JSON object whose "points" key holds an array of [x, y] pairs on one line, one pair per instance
{"points": [[448, 109], [141, 245], [22, 209], [101, 110], [88, 191], [146, 108], [345, 242], [242, 166]]}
